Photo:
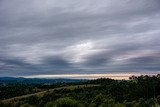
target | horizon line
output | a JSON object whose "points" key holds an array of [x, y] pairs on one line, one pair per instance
{"points": [[117, 76]]}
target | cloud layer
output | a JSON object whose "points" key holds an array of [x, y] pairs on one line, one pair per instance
{"points": [[46, 37]]}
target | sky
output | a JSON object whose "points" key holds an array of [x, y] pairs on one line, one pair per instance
{"points": [[40, 38]]}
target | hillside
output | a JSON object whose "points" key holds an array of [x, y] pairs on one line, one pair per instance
{"points": [[142, 91]]}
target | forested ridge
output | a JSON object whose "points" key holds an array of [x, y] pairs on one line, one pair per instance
{"points": [[138, 91]]}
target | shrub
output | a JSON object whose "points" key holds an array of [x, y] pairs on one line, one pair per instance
{"points": [[64, 102]]}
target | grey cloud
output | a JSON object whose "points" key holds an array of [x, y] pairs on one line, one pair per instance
{"points": [[155, 60], [56, 61], [97, 60], [14, 67], [48, 37], [16, 62]]}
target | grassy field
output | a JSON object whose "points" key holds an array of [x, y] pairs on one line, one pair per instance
{"points": [[39, 94]]}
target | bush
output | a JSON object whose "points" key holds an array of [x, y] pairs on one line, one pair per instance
{"points": [[64, 102], [27, 105], [158, 99]]}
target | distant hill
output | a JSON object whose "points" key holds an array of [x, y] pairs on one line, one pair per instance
{"points": [[36, 80]]}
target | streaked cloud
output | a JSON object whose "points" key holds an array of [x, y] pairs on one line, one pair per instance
{"points": [[50, 37]]}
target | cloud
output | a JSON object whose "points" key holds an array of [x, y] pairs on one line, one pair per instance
{"points": [[84, 36]]}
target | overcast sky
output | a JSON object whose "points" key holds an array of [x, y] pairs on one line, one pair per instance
{"points": [[46, 37]]}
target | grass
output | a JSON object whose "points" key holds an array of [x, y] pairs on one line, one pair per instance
{"points": [[72, 87]]}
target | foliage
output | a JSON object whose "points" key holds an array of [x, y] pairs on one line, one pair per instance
{"points": [[141, 91], [64, 102]]}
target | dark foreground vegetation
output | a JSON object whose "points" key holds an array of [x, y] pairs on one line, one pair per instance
{"points": [[142, 91]]}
